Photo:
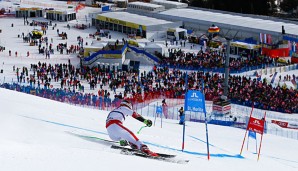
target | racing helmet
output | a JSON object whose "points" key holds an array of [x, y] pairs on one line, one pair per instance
{"points": [[126, 103]]}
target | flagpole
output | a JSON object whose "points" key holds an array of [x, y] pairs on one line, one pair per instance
{"points": [[256, 144], [155, 114], [247, 142], [161, 119], [246, 128], [262, 137], [186, 87], [260, 147], [207, 139]]}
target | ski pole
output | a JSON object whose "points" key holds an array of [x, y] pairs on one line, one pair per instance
{"points": [[141, 129]]}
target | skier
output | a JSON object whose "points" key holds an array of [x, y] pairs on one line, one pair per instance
{"points": [[118, 132]]}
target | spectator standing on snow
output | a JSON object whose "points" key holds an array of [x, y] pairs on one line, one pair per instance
{"points": [[165, 108], [181, 116]]}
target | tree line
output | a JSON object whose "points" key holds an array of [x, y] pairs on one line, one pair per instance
{"points": [[258, 7]]}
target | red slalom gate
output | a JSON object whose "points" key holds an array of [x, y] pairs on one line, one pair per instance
{"points": [[257, 126]]}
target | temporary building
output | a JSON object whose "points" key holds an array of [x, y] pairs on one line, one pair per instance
{"points": [[154, 47]]}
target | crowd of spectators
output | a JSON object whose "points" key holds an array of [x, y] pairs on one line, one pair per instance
{"points": [[212, 60], [107, 86], [112, 85], [245, 91], [62, 95]]}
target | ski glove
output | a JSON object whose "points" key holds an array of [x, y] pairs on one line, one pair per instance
{"points": [[148, 122]]}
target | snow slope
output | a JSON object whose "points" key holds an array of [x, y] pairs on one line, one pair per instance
{"points": [[38, 134]]}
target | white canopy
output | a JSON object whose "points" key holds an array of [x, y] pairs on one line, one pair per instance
{"points": [[232, 20], [154, 47]]}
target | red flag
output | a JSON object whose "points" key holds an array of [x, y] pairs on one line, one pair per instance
{"points": [[256, 125]]}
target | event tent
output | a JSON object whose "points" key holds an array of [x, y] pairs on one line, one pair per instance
{"points": [[246, 23]]}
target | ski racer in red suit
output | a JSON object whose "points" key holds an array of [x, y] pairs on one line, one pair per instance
{"points": [[118, 132]]}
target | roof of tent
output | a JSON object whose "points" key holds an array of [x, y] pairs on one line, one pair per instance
{"points": [[219, 39], [199, 35], [134, 18], [153, 46], [174, 3], [144, 4], [238, 22]]}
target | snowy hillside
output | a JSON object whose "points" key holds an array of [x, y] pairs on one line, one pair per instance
{"points": [[38, 134]]}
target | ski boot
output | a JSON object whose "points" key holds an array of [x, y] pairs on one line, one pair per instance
{"points": [[133, 146], [123, 142], [146, 150]]}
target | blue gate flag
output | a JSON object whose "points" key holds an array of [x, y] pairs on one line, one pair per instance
{"points": [[252, 134], [195, 101], [159, 109]]}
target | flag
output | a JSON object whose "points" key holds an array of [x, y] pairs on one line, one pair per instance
{"points": [[272, 81], [290, 45], [252, 134], [256, 125], [269, 39], [265, 38]]}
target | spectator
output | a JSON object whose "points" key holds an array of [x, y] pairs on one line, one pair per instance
{"points": [[181, 116]]}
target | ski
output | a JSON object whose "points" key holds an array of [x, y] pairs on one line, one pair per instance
{"points": [[100, 139], [138, 151], [94, 138], [127, 151]]}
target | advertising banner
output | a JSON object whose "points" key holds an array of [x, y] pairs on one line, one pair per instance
{"points": [[256, 125], [285, 124], [194, 101]]}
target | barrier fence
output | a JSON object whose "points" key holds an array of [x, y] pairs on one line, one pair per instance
{"points": [[260, 69], [287, 133], [281, 69], [238, 118]]}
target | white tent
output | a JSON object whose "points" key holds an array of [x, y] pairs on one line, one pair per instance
{"points": [[154, 47], [96, 43], [246, 23]]}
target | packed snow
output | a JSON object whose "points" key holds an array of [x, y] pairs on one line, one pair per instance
{"points": [[41, 134]]}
